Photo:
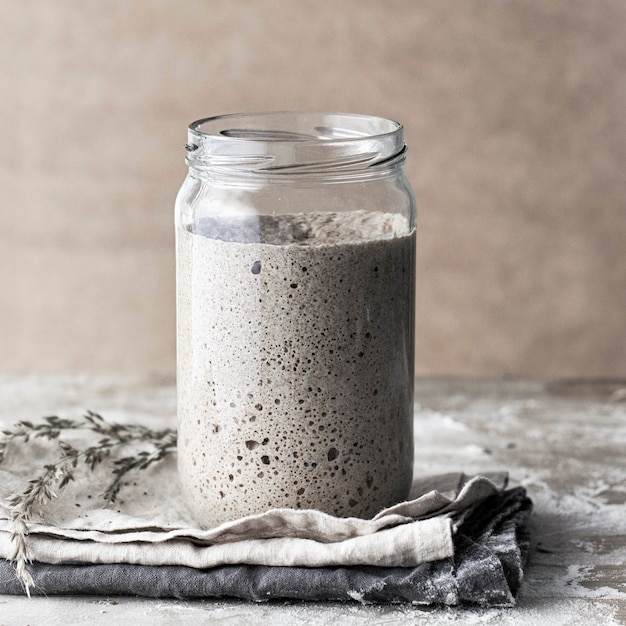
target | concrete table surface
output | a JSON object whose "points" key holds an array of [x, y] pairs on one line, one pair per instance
{"points": [[565, 441]]}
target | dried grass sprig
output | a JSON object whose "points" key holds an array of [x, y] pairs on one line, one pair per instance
{"points": [[42, 489]]}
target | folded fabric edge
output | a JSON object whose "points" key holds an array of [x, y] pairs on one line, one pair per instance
{"points": [[469, 490]]}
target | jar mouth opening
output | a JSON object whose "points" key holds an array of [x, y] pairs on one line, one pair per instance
{"points": [[290, 126], [288, 141]]}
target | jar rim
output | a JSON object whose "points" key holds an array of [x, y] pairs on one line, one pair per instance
{"points": [[294, 141], [280, 121]]}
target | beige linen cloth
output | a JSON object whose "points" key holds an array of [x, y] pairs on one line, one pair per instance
{"points": [[150, 525]]}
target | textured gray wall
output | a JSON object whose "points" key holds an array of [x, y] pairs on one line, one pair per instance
{"points": [[515, 117]]}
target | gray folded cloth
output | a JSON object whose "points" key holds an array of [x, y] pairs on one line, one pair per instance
{"points": [[491, 545]]}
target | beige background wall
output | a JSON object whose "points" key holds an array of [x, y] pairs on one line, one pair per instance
{"points": [[515, 113]]}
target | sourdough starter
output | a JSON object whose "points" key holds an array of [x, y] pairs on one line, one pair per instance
{"points": [[295, 357]]}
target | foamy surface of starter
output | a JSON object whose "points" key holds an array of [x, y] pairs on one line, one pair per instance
{"points": [[295, 363]]}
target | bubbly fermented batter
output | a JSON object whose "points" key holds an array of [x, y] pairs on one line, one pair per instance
{"points": [[295, 363]]}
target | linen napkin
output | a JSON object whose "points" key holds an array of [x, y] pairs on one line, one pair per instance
{"points": [[490, 551], [148, 534]]}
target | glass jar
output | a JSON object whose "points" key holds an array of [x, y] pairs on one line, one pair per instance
{"points": [[295, 298]]}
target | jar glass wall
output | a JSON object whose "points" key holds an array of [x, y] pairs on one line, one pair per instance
{"points": [[295, 297]]}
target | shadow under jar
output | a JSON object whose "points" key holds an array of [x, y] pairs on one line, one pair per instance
{"points": [[295, 298]]}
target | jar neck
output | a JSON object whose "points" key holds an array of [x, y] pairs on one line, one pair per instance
{"points": [[295, 146]]}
